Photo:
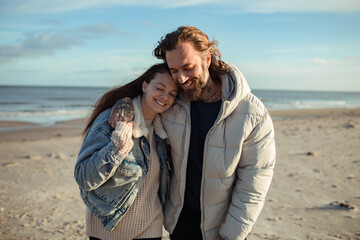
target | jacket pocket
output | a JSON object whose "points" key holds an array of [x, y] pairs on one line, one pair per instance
{"points": [[122, 184], [128, 171]]}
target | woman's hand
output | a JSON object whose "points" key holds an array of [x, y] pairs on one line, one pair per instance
{"points": [[123, 109], [122, 136]]}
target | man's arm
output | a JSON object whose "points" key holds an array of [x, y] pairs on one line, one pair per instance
{"points": [[123, 110], [255, 171]]}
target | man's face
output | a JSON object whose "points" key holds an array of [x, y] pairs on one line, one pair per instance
{"points": [[189, 69]]}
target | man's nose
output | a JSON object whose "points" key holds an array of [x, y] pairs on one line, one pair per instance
{"points": [[182, 78]]}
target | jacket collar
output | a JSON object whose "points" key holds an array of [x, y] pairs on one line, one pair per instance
{"points": [[140, 128]]}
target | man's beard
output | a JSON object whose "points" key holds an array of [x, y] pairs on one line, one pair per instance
{"points": [[199, 82]]}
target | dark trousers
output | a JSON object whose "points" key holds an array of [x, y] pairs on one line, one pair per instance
{"points": [[188, 225], [94, 238]]}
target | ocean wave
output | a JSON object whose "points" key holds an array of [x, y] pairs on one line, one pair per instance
{"points": [[67, 98], [75, 105], [31, 113], [13, 103], [298, 104]]}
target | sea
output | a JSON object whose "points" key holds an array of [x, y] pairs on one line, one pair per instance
{"points": [[48, 105]]}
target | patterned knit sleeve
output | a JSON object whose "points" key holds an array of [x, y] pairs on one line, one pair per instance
{"points": [[122, 137]]}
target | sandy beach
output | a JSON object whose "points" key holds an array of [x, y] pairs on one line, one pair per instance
{"points": [[315, 193]]}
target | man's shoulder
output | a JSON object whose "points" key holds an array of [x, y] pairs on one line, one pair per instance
{"points": [[251, 104], [233, 68]]}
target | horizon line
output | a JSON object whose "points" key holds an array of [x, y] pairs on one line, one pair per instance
{"points": [[110, 87]]}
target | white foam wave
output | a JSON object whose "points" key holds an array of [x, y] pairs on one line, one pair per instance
{"points": [[44, 113], [296, 104]]}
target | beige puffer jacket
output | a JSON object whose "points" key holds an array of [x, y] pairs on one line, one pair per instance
{"points": [[239, 158]]}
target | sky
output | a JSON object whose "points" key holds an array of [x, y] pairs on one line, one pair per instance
{"points": [[282, 44]]}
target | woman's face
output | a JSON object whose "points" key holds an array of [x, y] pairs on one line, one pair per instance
{"points": [[158, 95]]}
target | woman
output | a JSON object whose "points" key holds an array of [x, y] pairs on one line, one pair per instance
{"points": [[124, 174]]}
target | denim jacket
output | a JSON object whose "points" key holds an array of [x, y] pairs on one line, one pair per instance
{"points": [[109, 181]]}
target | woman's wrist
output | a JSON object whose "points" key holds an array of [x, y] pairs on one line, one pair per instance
{"points": [[122, 138]]}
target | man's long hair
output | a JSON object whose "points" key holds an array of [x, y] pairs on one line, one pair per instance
{"points": [[131, 90], [200, 42]]}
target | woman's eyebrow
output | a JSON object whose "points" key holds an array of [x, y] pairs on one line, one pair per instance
{"points": [[161, 84]]}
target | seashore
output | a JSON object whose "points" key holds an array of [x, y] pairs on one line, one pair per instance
{"points": [[315, 191]]}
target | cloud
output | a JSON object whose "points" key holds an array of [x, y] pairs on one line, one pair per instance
{"points": [[126, 34], [286, 51], [346, 60], [324, 48], [50, 21], [271, 6], [300, 50], [96, 30], [319, 61], [310, 77], [101, 71], [243, 6], [35, 44], [37, 6], [147, 24]]}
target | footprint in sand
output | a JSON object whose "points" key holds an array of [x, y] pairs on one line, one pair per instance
{"points": [[342, 205], [349, 125], [33, 157], [58, 155], [9, 164]]}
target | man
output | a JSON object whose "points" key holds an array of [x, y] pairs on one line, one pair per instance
{"points": [[222, 141]]}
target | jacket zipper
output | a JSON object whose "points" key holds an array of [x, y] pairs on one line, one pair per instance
{"points": [[186, 133], [203, 169]]}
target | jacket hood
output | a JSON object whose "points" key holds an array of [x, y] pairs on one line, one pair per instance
{"points": [[235, 86], [140, 128], [234, 89]]}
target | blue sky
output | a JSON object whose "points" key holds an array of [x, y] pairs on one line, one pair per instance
{"points": [[287, 45]]}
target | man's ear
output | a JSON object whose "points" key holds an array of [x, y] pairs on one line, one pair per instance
{"points": [[208, 59]]}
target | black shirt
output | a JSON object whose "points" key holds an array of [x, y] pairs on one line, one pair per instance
{"points": [[203, 116]]}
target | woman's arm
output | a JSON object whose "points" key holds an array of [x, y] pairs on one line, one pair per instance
{"points": [[101, 153]]}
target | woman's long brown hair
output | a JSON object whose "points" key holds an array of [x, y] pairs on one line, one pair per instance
{"points": [[131, 89]]}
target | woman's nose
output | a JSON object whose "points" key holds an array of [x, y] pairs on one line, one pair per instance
{"points": [[165, 96]]}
